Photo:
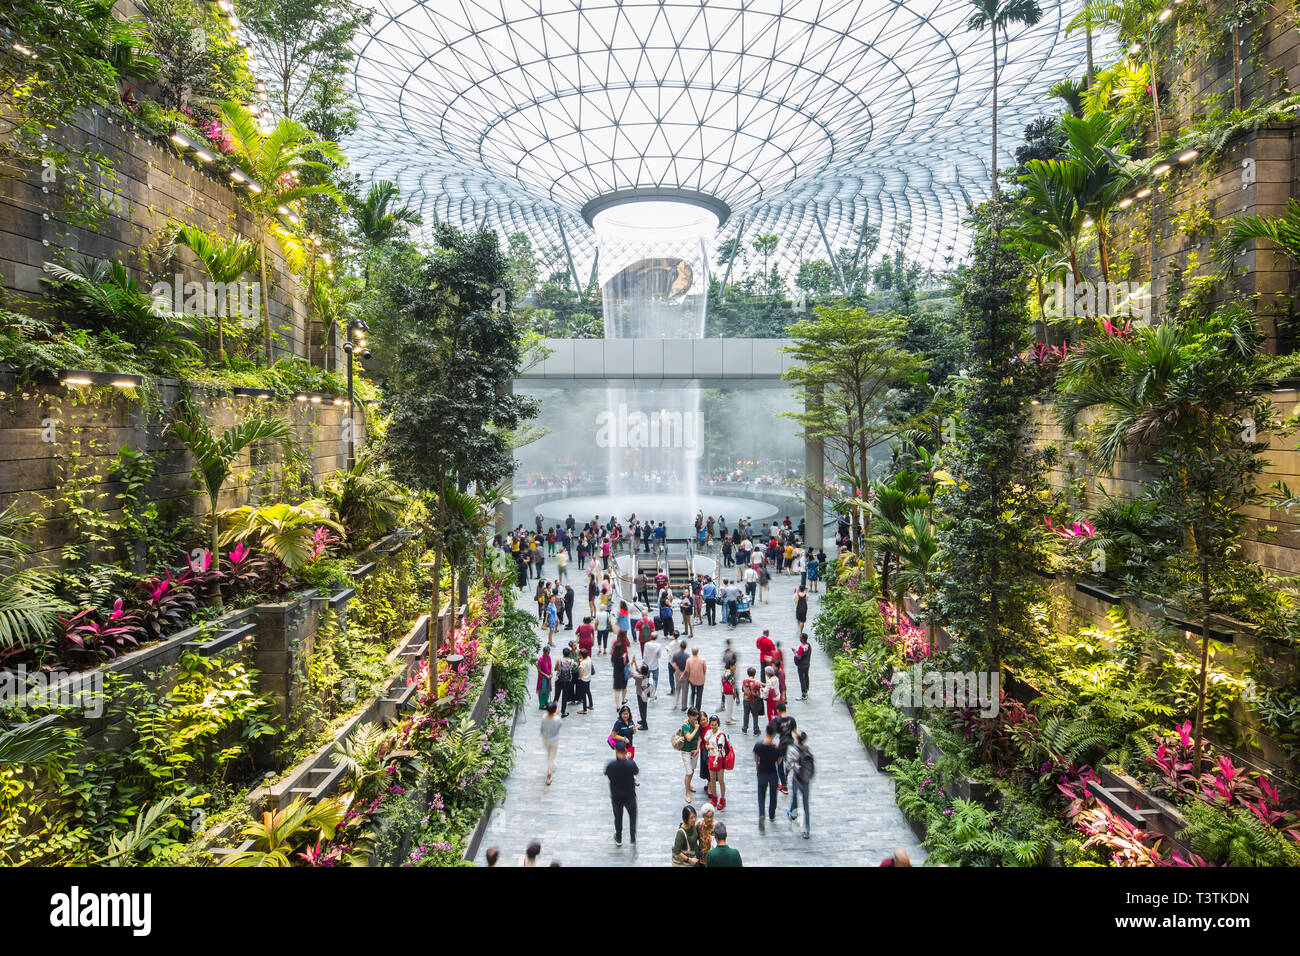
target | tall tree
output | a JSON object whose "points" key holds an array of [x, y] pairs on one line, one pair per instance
{"points": [[306, 46], [226, 262], [992, 535], [995, 15], [457, 351], [850, 367]]}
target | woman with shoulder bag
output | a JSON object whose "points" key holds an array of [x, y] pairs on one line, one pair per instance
{"points": [[686, 841], [722, 757]]}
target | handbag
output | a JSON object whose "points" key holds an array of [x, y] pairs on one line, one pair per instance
{"points": [[679, 740]]}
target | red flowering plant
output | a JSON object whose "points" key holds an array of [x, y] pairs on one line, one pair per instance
{"points": [[166, 602], [92, 639], [901, 632]]}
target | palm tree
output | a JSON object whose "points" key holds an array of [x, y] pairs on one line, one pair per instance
{"points": [[1094, 147], [995, 15], [1135, 22], [215, 454], [226, 261], [1053, 218], [1070, 92], [378, 224], [275, 160], [1284, 231]]}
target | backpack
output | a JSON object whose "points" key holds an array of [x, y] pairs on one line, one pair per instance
{"points": [[679, 739], [806, 767]]}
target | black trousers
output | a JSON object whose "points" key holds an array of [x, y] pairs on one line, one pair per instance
{"points": [[711, 610], [622, 803], [803, 681], [640, 705], [697, 695], [583, 695]]}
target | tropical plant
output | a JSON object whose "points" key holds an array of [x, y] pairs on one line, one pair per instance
{"points": [[1283, 231], [275, 160], [379, 223], [28, 609], [364, 500], [226, 261], [1189, 395], [995, 15], [285, 530], [1094, 146], [214, 455], [33, 742], [1052, 219], [105, 296], [281, 833], [1135, 22]]}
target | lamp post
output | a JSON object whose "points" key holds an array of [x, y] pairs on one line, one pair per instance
{"points": [[360, 327]]}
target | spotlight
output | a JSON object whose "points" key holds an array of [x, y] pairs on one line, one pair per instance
{"points": [[1188, 156], [1161, 169], [1144, 192], [365, 353]]}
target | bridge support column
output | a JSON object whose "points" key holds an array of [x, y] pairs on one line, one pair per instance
{"points": [[814, 466]]}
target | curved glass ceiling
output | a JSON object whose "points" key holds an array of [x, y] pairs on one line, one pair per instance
{"points": [[807, 119]]}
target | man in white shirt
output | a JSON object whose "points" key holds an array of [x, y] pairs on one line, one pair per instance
{"points": [[751, 582], [550, 731], [650, 657]]}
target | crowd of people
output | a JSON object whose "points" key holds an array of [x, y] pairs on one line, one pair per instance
{"points": [[647, 639]]}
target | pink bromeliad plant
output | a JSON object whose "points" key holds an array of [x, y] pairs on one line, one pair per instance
{"points": [[901, 631], [1078, 529]]}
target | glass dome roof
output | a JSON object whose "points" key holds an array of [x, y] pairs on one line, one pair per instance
{"points": [[806, 118]]}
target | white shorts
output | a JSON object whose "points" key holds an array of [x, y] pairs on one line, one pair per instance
{"points": [[688, 761]]}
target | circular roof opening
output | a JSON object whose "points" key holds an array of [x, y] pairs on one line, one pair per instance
{"points": [[655, 209]]}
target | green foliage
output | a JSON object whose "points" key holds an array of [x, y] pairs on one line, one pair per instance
{"points": [[364, 500], [28, 609], [1235, 837], [286, 531], [279, 834], [103, 295]]}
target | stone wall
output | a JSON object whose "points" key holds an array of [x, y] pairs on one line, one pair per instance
{"points": [[147, 190], [90, 428]]}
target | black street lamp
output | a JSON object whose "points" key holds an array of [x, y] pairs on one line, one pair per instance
{"points": [[360, 327]]}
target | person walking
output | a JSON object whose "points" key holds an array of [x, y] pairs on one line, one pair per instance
{"points": [[687, 606], [586, 634], [771, 692], [785, 733], [800, 609], [602, 629], [722, 854], [620, 664], [721, 759], [764, 584], [645, 689], [690, 744], [679, 662], [695, 669], [552, 621], [751, 584], [778, 664], [568, 607], [624, 731], [686, 841], [621, 772], [814, 569], [800, 767], [543, 678], [730, 690], [752, 702], [641, 582], [802, 662], [562, 566], [650, 653], [765, 758], [765, 650], [550, 730]]}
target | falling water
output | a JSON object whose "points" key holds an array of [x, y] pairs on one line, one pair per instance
{"points": [[654, 271]]}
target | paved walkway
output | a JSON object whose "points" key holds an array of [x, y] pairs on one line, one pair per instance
{"points": [[854, 823]]}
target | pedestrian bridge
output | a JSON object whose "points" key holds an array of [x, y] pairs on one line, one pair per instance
{"points": [[709, 363]]}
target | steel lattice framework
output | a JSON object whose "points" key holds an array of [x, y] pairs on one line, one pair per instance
{"points": [[807, 118]]}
